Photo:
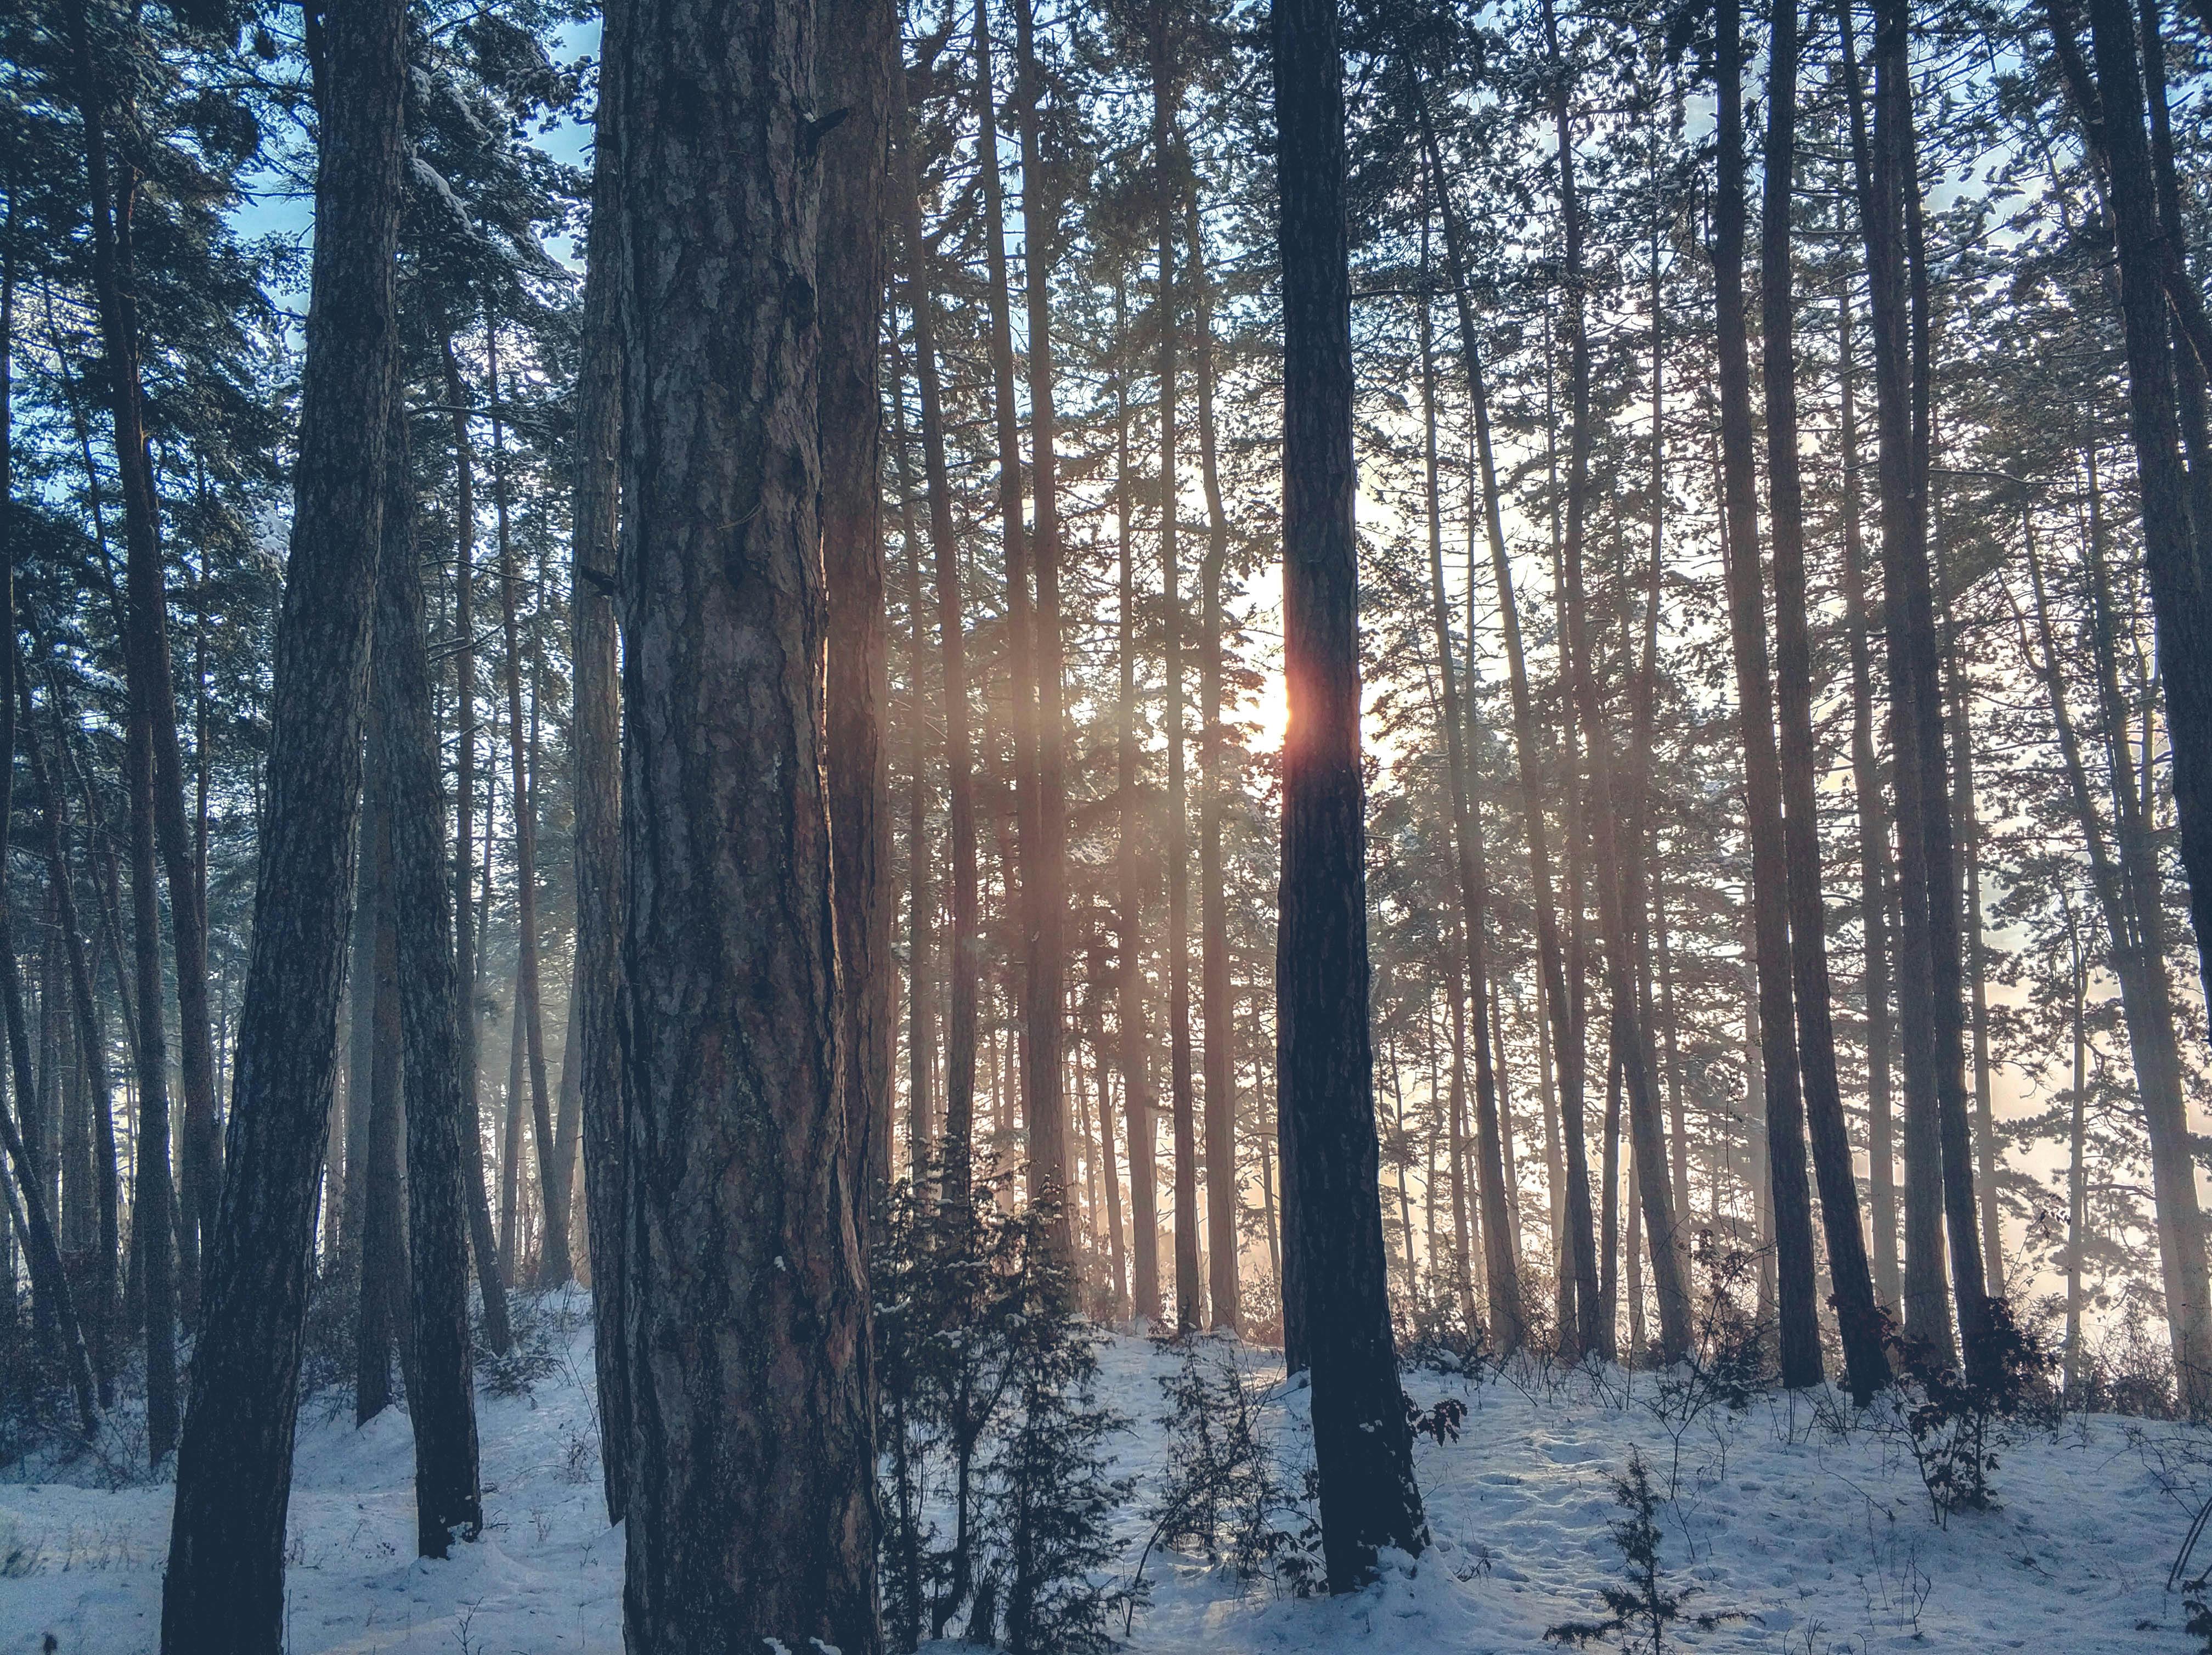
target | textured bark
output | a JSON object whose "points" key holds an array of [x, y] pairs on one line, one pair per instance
{"points": [[855, 78], [595, 1055], [1138, 1101], [483, 1242], [223, 1592], [440, 1399], [965, 961], [1501, 1270], [1362, 1452], [1214, 994], [751, 1500], [1799, 1329], [1867, 1363], [1562, 1049]]}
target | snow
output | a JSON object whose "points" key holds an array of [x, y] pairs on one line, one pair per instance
{"points": [[1819, 1534]]}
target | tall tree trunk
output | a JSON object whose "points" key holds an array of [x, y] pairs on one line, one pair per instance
{"points": [[1362, 1452], [1213, 993], [2184, 627], [922, 900], [1938, 1164], [1140, 1102], [114, 192], [554, 1266], [1570, 1183], [1800, 1335], [1045, 875], [153, 1217], [224, 1590], [92, 1053], [1022, 870], [383, 1274], [751, 1504], [1873, 847], [1501, 1270], [855, 76], [964, 964], [1856, 1318], [440, 1401], [467, 954], [1606, 816], [1167, 159], [594, 1057]]}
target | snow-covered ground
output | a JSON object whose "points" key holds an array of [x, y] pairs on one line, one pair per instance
{"points": [[1823, 1541]]}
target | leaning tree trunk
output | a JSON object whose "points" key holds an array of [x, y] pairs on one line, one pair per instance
{"points": [[595, 1059], [382, 1255], [440, 1401], [224, 1590], [1362, 1452], [1856, 1318], [751, 1503]]}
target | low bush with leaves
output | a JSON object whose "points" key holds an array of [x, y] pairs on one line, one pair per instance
{"points": [[1956, 1423]]}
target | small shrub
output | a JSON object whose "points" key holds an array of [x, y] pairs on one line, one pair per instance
{"points": [[1641, 1611], [1954, 1424], [1439, 1424]]}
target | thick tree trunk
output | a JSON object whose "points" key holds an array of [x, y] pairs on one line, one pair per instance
{"points": [[594, 1057], [440, 1400], [855, 78], [1325, 1066], [223, 1592], [751, 1499], [1856, 1318], [964, 964]]}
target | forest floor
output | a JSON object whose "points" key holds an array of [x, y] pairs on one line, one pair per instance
{"points": [[1820, 1537]]}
